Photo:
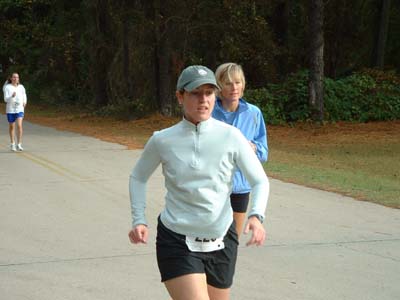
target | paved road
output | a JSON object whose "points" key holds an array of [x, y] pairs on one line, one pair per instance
{"points": [[64, 218]]}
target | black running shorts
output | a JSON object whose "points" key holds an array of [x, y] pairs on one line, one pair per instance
{"points": [[175, 259], [239, 202]]}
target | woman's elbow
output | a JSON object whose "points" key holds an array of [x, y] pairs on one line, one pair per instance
{"points": [[263, 156]]}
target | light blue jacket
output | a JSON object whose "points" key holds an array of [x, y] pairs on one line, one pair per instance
{"points": [[198, 163], [249, 120]]}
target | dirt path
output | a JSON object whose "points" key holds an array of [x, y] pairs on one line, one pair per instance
{"points": [[136, 132]]}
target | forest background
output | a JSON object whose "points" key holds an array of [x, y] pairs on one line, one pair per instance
{"points": [[121, 59]]}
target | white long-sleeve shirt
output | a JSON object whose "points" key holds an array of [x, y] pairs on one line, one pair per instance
{"points": [[17, 103], [198, 163]]}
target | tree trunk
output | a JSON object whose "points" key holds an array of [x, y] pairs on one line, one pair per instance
{"points": [[162, 52], [315, 88], [126, 59], [102, 53], [282, 31], [379, 53]]}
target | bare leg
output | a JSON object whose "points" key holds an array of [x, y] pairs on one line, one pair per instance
{"points": [[218, 294], [11, 130], [191, 286], [240, 219], [19, 130]]}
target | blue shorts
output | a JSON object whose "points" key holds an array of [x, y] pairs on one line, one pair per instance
{"points": [[12, 117]]}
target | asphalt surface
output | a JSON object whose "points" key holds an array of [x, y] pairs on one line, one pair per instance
{"points": [[64, 219]]}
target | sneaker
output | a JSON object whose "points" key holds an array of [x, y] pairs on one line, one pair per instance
{"points": [[13, 148], [19, 147]]}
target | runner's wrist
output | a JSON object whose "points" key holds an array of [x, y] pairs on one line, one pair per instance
{"points": [[259, 217]]}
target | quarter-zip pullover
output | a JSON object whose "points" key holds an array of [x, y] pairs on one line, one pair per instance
{"points": [[198, 163]]}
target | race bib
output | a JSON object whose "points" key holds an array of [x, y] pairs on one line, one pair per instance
{"points": [[197, 244]]}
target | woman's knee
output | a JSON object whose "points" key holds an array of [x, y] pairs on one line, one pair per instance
{"points": [[190, 286], [218, 294]]}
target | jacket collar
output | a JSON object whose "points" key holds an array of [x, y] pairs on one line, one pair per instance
{"points": [[243, 105], [200, 127]]}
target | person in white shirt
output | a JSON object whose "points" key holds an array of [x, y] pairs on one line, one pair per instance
{"points": [[15, 97], [196, 237]]}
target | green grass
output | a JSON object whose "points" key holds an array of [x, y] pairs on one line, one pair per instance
{"points": [[368, 170]]}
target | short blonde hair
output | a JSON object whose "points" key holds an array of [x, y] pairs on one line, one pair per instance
{"points": [[227, 71]]}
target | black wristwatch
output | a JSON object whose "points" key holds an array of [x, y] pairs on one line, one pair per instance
{"points": [[259, 217]]}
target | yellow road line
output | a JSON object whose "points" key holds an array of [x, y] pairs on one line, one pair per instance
{"points": [[49, 166], [54, 165], [62, 171]]}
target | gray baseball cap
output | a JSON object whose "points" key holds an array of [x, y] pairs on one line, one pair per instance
{"points": [[194, 76]]}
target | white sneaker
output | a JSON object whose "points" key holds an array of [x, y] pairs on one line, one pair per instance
{"points": [[19, 147], [13, 148]]}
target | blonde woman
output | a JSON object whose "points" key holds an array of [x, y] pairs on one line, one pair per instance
{"points": [[232, 109]]}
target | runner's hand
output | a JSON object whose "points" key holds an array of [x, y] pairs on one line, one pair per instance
{"points": [[139, 234], [258, 232], [253, 146]]}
